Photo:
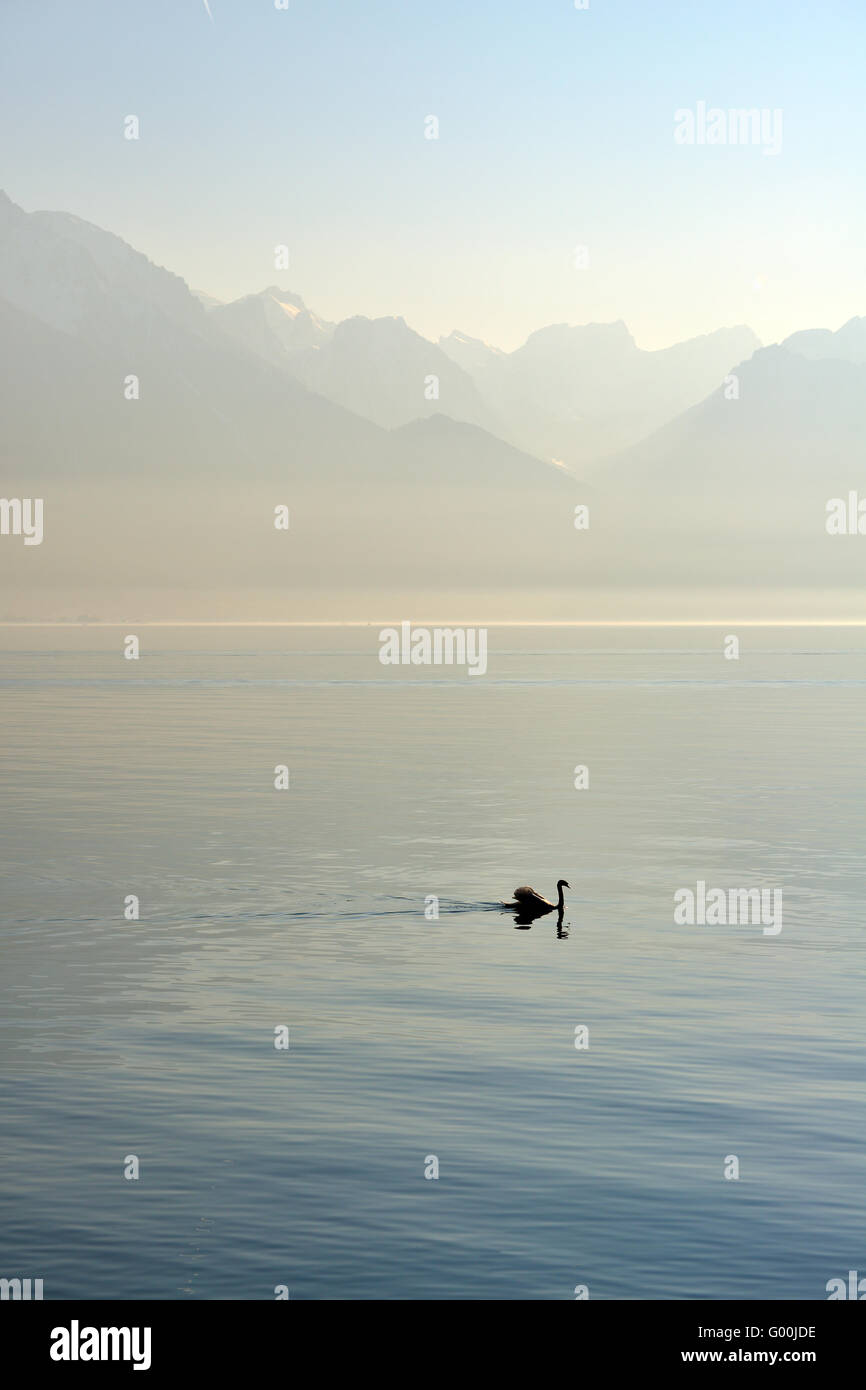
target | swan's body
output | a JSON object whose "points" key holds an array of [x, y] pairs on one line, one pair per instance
{"points": [[527, 897], [528, 901]]}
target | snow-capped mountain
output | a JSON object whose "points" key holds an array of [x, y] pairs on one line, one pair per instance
{"points": [[275, 324], [162, 445], [79, 278]]}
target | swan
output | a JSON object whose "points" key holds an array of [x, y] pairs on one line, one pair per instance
{"points": [[527, 900]]}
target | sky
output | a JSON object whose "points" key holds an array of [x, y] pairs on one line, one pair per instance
{"points": [[306, 127]]}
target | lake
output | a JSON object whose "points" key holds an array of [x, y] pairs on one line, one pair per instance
{"points": [[582, 1091]]}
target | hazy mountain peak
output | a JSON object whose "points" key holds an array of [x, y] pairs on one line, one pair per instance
{"points": [[568, 343], [392, 325], [279, 296], [472, 354], [738, 332], [464, 340], [385, 370], [8, 208], [284, 296], [209, 301], [435, 423], [847, 344], [75, 276], [274, 324]]}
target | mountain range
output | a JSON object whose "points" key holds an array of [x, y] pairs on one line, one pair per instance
{"points": [[163, 428]]}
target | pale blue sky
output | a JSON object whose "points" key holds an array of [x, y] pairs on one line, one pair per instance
{"points": [[556, 128]]}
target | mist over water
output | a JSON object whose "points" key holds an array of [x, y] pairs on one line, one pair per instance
{"points": [[412, 1037]]}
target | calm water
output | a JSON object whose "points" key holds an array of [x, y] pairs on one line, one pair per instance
{"points": [[410, 1037]]}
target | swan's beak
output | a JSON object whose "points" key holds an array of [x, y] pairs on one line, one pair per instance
{"points": [[565, 883]]}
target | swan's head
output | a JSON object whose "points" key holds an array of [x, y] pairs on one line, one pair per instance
{"points": [[563, 883]]}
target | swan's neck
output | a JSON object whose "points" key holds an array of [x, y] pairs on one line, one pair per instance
{"points": [[561, 899]]}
